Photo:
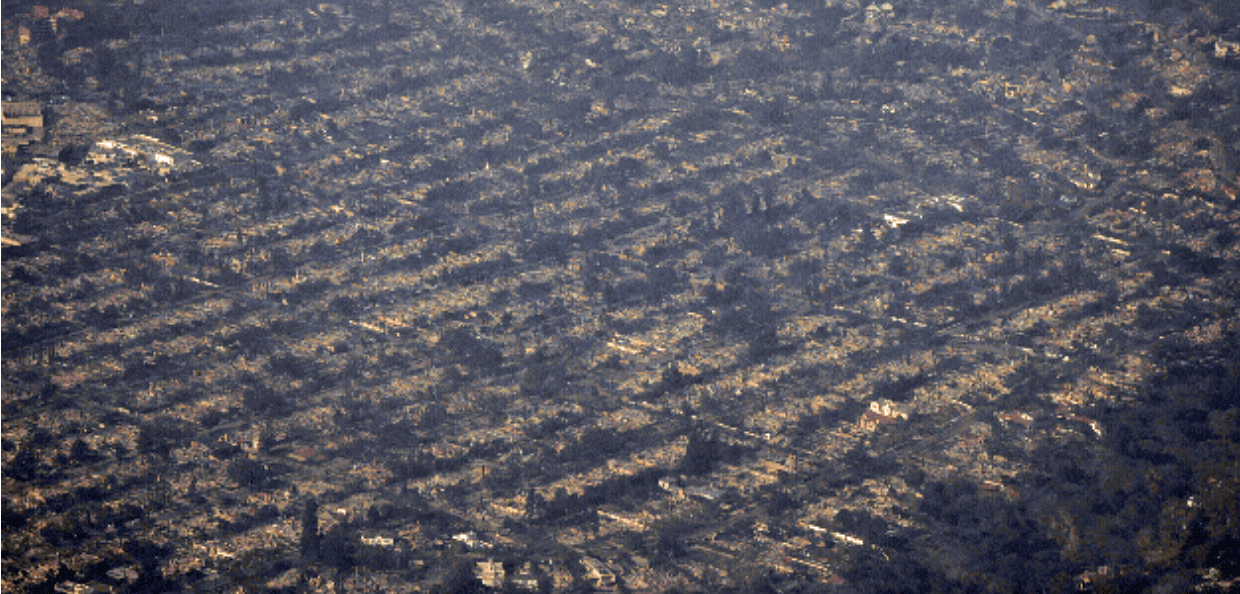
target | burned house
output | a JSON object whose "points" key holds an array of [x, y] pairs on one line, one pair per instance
{"points": [[598, 573]]}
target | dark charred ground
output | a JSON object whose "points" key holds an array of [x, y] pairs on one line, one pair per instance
{"points": [[496, 226]]}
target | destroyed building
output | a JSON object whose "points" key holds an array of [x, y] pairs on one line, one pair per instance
{"points": [[143, 151]]}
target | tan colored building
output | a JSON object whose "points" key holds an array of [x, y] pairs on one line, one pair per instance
{"points": [[491, 573], [22, 124]]}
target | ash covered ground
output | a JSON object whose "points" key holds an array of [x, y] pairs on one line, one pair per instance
{"points": [[715, 296]]}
